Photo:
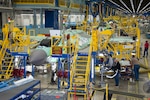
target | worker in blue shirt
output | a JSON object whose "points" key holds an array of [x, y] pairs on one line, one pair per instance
{"points": [[116, 67]]}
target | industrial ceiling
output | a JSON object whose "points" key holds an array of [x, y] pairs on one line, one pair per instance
{"points": [[132, 6]]}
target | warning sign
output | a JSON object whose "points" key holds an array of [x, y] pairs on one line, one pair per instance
{"points": [[57, 50]]}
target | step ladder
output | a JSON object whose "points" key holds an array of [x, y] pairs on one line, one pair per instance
{"points": [[80, 78], [7, 67]]}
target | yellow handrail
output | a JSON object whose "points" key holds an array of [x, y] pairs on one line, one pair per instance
{"points": [[74, 62], [88, 65], [4, 45]]}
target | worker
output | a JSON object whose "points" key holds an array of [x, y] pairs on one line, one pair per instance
{"points": [[135, 66], [29, 69], [116, 67], [53, 73], [110, 61], [146, 46], [29, 75]]}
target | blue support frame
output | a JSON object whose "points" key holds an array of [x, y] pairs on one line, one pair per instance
{"points": [[24, 64], [67, 56], [59, 67], [92, 71], [24, 59]]}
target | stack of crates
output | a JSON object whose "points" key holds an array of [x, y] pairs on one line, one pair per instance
{"points": [[53, 95]]}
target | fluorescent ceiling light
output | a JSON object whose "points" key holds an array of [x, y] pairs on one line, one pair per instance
{"points": [[125, 5], [123, 10], [146, 11], [118, 5], [131, 1], [144, 7], [139, 5]]}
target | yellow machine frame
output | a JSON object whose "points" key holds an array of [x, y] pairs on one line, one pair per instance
{"points": [[15, 43]]}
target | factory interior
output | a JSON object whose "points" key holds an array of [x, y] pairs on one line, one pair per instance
{"points": [[74, 49]]}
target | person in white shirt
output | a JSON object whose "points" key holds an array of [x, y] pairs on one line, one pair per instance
{"points": [[29, 75], [110, 61]]}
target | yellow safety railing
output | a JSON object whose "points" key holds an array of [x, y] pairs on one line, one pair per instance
{"points": [[104, 38], [4, 44], [95, 40], [88, 64], [34, 1], [74, 5], [67, 47], [73, 66], [9, 70], [138, 43], [62, 3]]}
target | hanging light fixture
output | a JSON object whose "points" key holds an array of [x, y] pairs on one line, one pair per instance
{"points": [[139, 6], [118, 5], [132, 5], [125, 5], [144, 7]]}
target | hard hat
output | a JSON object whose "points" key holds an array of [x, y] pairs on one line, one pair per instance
{"points": [[133, 54], [111, 22]]}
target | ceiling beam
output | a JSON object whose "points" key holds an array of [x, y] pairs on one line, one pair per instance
{"points": [[144, 7], [146, 11], [121, 10], [125, 5], [132, 5], [118, 5], [139, 6]]}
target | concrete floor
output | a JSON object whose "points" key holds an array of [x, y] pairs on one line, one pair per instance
{"points": [[125, 85]]}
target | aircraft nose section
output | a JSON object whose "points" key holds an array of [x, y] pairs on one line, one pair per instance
{"points": [[38, 57]]}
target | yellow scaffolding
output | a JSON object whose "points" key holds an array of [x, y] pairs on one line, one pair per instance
{"points": [[15, 40]]}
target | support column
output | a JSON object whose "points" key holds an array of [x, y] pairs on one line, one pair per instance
{"points": [[41, 14], [104, 10], [114, 12], [56, 14], [34, 19], [61, 20], [1, 34], [24, 64]]}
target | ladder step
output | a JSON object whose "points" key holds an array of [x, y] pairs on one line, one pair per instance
{"points": [[79, 88], [78, 92], [80, 65], [78, 74], [79, 79], [78, 60], [80, 70], [82, 57], [78, 83], [7, 57], [7, 62]]}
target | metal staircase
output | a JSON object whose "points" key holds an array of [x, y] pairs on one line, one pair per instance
{"points": [[6, 61], [80, 75], [7, 67], [20, 40]]}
